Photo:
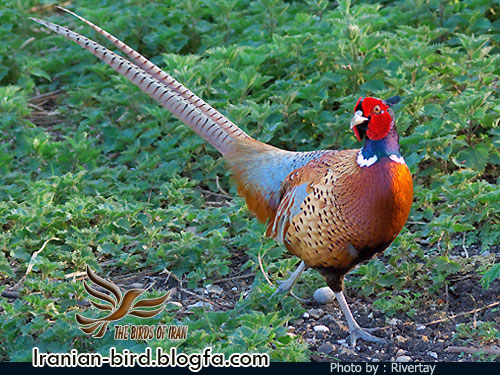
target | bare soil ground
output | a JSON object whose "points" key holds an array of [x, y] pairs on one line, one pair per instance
{"points": [[429, 336], [426, 337], [417, 338]]}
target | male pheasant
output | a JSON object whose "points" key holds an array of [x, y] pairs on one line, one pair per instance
{"points": [[332, 209]]}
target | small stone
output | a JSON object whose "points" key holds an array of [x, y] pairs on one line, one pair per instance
{"points": [[375, 360], [299, 322], [326, 348], [234, 289], [347, 351], [420, 327], [370, 316], [321, 328], [323, 295], [200, 304], [400, 352], [306, 315], [135, 286], [403, 358], [316, 313], [393, 321], [342, 341], [175, 303], [215, 289], [433, 355]]}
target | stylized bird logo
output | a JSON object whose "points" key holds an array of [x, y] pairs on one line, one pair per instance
{"points": [[119, 305]]}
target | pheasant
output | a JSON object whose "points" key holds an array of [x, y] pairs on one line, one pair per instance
{"points": [[331, 208]]}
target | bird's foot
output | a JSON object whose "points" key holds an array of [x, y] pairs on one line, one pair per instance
{"points": [[285, 287], [301, 300], [362, 333]]}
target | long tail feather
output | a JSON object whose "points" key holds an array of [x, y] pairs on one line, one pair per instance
{"points": [[259, 169], [203, 124], [165, 78]]}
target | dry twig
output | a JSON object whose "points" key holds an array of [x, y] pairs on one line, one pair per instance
{"points": [[464, 247], [208, 192], [462, 314], [221, 189], [467, 350], [263, 271], [32, 261], [11, 294], [41, 99], [26, 42], [74, 275], [449, 317], [202, 298], [233, 278]]}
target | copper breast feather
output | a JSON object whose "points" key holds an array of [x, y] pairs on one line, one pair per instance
{"points": [[334, 212]]}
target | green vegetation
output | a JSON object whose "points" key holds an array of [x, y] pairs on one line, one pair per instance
{"points": [[117, 183]]}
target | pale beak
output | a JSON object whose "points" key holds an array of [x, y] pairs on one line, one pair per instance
{"points": [[357, 119]]}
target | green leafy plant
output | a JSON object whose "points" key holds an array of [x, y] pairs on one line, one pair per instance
{"points": [[88, 159]]}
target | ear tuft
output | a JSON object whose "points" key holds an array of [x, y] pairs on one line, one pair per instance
{"points": [[358, 104], [393, 100]]}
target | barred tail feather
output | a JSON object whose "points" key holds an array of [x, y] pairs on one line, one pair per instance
{"points": [[165, 78], [204, 124]]}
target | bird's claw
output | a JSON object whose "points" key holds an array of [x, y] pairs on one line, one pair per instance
{"points": [[285, 286], [302, 300], [371, 329], [362, 333]]}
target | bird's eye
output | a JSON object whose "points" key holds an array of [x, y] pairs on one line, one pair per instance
{"points": [[376, 109]]}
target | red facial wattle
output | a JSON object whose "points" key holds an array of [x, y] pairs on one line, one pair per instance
{"points": [[380, 118], [379, 126]]}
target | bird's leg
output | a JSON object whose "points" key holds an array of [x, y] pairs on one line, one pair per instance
{"points": [[354, 329], [285, 286]]}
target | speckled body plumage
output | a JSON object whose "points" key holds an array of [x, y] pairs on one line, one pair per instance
{"points": [[332, 209], [332, 213], [350, 212]]}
